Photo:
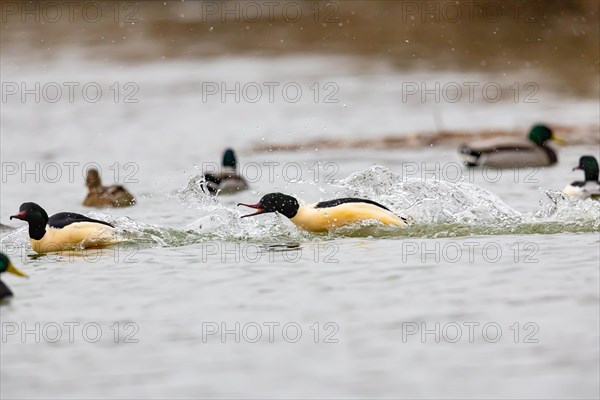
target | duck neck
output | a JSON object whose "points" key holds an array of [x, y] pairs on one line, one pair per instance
{"points": [[37, 229], [94, 185], [96, 189], [301, 216], [591, 176]]}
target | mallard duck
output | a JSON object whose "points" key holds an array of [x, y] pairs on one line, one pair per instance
{"points": [[63, 231], [590, 187], [510, 153], [326, 215], [227, 180], [105, 196], [6, 266]]}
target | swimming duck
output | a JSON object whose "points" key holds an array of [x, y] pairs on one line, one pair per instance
{"points": [[64, 230], [326, 215], [105, 196], [509, 153], [226, 181], [591, 186], [6, 266]]}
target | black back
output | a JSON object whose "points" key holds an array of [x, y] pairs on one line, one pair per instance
{"points": [[337, 202], [60, 220]]}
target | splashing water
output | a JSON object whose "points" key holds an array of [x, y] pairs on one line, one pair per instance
{"points": [[428, 202], [445, 209], [439, 209]]}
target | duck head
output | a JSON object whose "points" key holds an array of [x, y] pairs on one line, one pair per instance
{"points": [[275, 202], [589, 165], [540, 134], [92, 180], [6, 266], [229, 160], [35, 216]]}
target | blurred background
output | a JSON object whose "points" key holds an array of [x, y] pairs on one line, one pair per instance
{"points": [[554, 40], [543, 54]]}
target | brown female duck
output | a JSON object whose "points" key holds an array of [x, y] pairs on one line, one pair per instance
{"points": [[105, 196]]}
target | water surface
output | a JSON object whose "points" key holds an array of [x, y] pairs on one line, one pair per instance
{"points": [[498, 248]]}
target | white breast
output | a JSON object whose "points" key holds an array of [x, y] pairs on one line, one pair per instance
{"points": [[590, 189]]}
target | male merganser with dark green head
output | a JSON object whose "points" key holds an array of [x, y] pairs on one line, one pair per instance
{"points": [[6, 266], [510, 153], [63, 231], [326, 215], [105, 196], [227, 180], [590, 187]]}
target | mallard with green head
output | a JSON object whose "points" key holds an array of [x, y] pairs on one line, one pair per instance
{"points": [[590, 187], [510, 153], [6, 266], [227, 180]]}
